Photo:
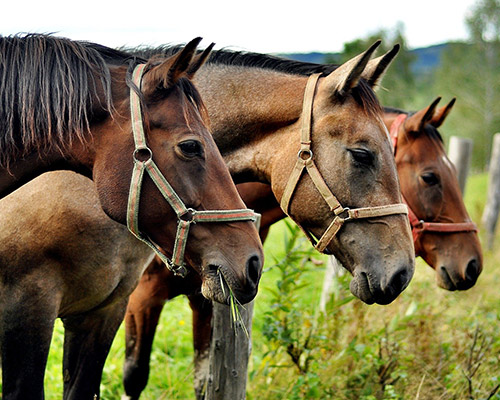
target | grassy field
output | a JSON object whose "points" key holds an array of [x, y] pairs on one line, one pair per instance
{"points": [[427, 344]]}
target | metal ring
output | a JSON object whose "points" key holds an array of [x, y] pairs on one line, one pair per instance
{"points": [[142, 154], [305, 151], [188, 215], [345, 211]]}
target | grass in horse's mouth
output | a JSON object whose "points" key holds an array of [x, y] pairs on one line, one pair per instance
{"points": [[234, 304]]}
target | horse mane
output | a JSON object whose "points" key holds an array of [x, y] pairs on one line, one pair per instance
{"points": [[48, 92], [362, 93], [429, 129]]}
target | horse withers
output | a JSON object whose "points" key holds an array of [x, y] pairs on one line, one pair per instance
{"points": [[117, 118]]}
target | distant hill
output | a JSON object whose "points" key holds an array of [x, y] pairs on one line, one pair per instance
{"points": [[427, 58]]}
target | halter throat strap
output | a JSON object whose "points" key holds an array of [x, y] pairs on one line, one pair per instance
{"points": [[143, 163], [419, 226], [305, 163]]}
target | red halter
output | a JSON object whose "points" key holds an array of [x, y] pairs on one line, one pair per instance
{"points": [[419, 226]]}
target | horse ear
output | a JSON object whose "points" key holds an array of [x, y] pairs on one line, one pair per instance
{"points": [[199, 60], [375, 69], [168, 73], [417, 121], [440, 115], [347, 76]]}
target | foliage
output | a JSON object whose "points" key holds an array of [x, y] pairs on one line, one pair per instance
{"points": [[471, 73], [427, 344], [400, 80]]}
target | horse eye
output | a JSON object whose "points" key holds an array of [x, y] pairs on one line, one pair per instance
{"points": [[362, 156], [430, 178], [191, 148]]}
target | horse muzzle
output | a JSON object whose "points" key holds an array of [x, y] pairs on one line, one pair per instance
{"points": [[381, 287]]}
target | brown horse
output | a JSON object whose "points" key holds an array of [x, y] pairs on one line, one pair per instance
{"points": [[430, 187], [74, 105], [262, 106], [254, 112]]}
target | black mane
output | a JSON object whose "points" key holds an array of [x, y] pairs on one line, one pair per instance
{"points": [[48, 91], [362, 93]]}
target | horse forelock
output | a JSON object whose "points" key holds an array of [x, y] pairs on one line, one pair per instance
{"points": [[49, 92]]}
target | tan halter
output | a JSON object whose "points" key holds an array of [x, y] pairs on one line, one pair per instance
{"points": [[305, 161]]}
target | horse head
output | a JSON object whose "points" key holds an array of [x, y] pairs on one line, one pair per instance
{"points": [[443, 232], [177, 145], [353, 157]]}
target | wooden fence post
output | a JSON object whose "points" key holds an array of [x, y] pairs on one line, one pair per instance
{"points": [[230, 350], [459, 153], [490, 213], [229, 354]]}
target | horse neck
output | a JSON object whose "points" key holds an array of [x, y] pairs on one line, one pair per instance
{"points": [[29, 167], [250, 110]]}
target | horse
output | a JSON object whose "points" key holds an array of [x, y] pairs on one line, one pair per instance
{"points": [[254, 109], [254, 66], [449, 244], [100, 112]]}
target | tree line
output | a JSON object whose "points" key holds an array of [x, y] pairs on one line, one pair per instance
{"points": [[468, 70]]}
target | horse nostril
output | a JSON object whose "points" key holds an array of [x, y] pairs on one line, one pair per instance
{"points": [[254, 267], [398, 281], [472, 270]]}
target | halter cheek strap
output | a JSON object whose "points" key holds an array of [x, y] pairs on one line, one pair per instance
{"points": [[143, 163], [305, 162], [419, 226]]}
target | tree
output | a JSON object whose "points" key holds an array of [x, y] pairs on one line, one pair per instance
{"points": [[399, 84], [471, 72]]}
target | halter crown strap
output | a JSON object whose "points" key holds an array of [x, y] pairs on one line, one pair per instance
{"points": [[419, 226], [143, 163], [305, 162]]}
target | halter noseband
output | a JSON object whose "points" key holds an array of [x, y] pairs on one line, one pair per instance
{"points": [[143, 162], [419, 226], [305, 161]]}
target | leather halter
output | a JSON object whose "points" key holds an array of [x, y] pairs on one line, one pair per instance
{"points": [[419, 226], [306, 162], [143, 162]]}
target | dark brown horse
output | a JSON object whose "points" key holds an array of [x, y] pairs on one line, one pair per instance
{"points": [[429, 185], [67, 104], [256, 116]]}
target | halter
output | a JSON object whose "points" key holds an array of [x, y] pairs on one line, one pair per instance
{"points": [[143, 162], [419, 226], [305, 161]]}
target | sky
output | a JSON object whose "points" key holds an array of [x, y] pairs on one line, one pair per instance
{"points": [[264, 26]]}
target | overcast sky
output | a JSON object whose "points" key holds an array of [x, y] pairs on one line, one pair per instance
{"points": [[256, 25]]}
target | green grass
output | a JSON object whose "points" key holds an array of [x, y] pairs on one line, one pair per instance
{"points": [[421, 346]]}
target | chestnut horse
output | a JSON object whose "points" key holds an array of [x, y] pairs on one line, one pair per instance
{"points": [[76, 105], [256, 116], [428, 183]]}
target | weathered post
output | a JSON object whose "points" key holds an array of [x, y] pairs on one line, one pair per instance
{"points": [[230, 350], [459, 153], [229, 354], [490, 213]]}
